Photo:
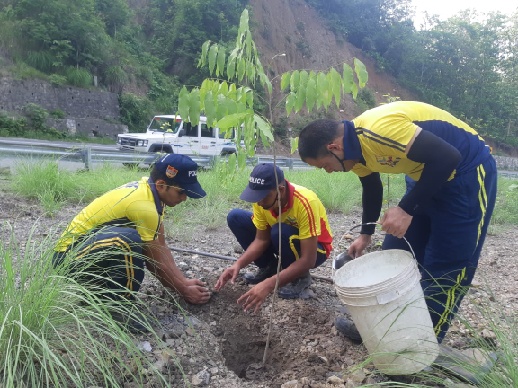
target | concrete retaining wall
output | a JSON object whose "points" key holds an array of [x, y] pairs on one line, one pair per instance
{"points": [[89, 112]]}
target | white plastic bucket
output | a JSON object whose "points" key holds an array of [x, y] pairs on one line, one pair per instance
{"points": [[383, 294]]}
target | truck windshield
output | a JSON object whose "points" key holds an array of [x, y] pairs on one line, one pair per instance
{"points": [[165, 124]]}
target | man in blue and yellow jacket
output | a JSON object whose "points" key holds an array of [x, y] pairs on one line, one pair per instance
{"points": [[451, 191], [119, 234]]}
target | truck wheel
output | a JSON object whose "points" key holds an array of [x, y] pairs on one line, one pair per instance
{"points": [[165, 148], [227, 152]]}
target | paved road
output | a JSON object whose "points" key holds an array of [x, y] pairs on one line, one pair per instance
{"points": [[54, 143], [26, 146]]}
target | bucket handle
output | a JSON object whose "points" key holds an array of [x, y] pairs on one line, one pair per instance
{"points": [[377, 223]]}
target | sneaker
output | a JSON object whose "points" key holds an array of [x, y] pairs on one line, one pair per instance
{"points": [[294, 289], [260, 275], [347, 327], [132, 322]]}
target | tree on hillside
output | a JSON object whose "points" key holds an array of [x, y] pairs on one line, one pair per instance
{"points": [[58, 34], [465, 71], [229, 104], [177, 29]]}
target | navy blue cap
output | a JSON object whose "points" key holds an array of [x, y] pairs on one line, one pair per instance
{"points": [[181, 171], [261, 182]]}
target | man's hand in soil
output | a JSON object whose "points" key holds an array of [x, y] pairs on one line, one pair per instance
{"points": [[229, 274], [195, 291], [254, 298]]}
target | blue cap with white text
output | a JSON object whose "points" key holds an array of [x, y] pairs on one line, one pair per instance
{"points": [[261, 182], [181, 171]]}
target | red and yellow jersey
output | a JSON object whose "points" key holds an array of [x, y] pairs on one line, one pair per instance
{"points": [[385, 131], [303, 211], [135, 204]]}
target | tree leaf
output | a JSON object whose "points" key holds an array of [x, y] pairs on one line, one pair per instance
{"points": [[241, 159], [241, 67], [231, 163], [204, 50], [311, 91], [265, 130], [265, 81], [210, 108], [183, 103], [250, 72], [294, 81], [291, 100], [294, 144], [361, 72], [301, 93], [221, 107], [354, 90], [231, 120], [335, 83], [322, 91], [213, 53], [285, 80], [220, 68], [195, 106], [348, 79], [231, 65]]}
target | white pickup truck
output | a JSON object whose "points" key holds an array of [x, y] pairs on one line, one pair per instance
{"points": [[170, 134]]}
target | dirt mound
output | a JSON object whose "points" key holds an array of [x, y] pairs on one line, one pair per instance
{"points": [[293, 28]]}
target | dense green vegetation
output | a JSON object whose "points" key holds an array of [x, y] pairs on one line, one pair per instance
{"points": [[151, 48], [465, 64]]}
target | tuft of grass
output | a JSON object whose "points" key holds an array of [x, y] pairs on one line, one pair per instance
{"points": [[506, 211], [491, 327], [55, 187], [55, 332]]}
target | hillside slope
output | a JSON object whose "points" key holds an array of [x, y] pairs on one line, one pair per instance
{"points": [[293, 28]]}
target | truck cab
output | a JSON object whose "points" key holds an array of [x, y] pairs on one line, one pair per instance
{"points": [[171, 134]]}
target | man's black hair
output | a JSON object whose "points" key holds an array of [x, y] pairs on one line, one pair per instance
{"points": [[314, 138]]}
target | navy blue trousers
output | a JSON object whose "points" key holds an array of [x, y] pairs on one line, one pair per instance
{"points": [[109, 259], [240, 223], [447, 239]]}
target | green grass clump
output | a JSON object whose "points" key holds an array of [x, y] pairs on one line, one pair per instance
{"points": [[54, 332], [506, 211], [54, 187]]}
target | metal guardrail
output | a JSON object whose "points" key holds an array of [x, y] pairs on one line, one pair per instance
{"points": [[91, 154]]}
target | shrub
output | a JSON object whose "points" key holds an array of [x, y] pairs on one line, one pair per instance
{"points": [[11, 126], [366, 99], [79, 77], [41, 60], [57, 114], [36, 115], [136, 112], [58, 80]]}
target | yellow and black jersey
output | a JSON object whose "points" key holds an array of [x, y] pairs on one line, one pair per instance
{"points": [[384, 132], [303, 211], [135, 204]]}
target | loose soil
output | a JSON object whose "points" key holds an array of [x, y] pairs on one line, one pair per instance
{"points": [[219, 345]]}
